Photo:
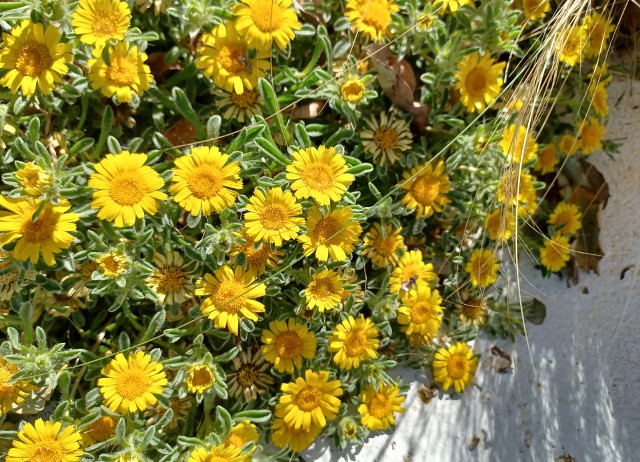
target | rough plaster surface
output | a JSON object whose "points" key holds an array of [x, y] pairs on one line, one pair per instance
{"points": [[577, 394]]}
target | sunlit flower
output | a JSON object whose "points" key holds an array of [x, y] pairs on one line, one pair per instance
{"points": [[258, 257], [159, 6], [600, 74], [179, 406], [452, 5], [411, 272], [13, 393], [170, 278], [566, 219], [479, 79], [101, 429], [219, 453], [472, 312], [46, 441], [535, 9], [34, 180], [371, 18], [286, 344], [297, 439], [249, 377], [333, 235], [34, 58], [48, 234], [599, 97], [133, 383], [426, 187], [273, 217], [570, 44], [516, 188], [114, 263], [200, 377], [555, 252], [243, 433], [353, 341], [262, 22], [324, 292], [421, 312], [482, 268], [382, 246], [125, 188], [379, 404], [547, 160], [500, 224], [455, 366], [591, 134], [241, 107], [569, 145], [387, 139], [518, 145], [352, 90], [97, 21], [598, 29], [11, 278]]}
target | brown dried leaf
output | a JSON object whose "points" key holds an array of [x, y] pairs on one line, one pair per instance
{"points": [[182, 132], [309, 111], [159, 66]]}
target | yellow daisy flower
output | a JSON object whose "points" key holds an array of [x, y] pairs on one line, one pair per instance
{"points": [[598, 29], [243, 433], [426, 186], [286, 344], [205, 181], [224, 57], [599, 97], [452, 5], [411, 272], [262, 22], [516, 188], [170, 279], [320, 173], [500, 224], [547, 160], [387, 139], [333, 235], [309, 401], [249, 377], [570, 44], [13, 394], [219, 453], [324, 292], [49, 234], [97, 21], [352, 90], [378, 406], [600, 74], [200, 378], [101, 429], [354, 340], [555, 252], [535, 9], [132, 383], [123, 76], [472, 312], [34, 180], [382, 246], [479, 80], [455, 366], [241, 107], [518, 145], [482, 268], [566, 219], [274, 217], [231, 296], [114, 263], [126, 188], [569, 145], [421, 312], [34, 57], [372, 18], [257, 257], [297, 439], [46, 441], [591, 133]]}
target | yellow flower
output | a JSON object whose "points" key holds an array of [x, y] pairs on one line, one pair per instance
{"points": [[600, 74], [231, 296], [547, 160], [452, 5], [410, 272], [569, 145], [455, 366], [241, 434], [298, 439], [354, 340], [47, 235], [591, 133], [239, 106], [387, 139], [472, 312], [114, 263], [320, 173], [204, 181], [286, 343], [34, 180], [566, 219], [324, 291], [262, 22], [224, 57], [219, 453], [249, 377], [123, 76], [555, 252], [132, 383], [34, 57], [101, 429], [170, 279], [500, 224], [569, 45], [200, 378], [333, 235], [535, 9], [44, 441], [421, 312], [97, 21], [598, 95], [309, 401], [482, 268], [13, 394], [257, 257], [378, 406], [598, 29], [372, 18], [352, 90], [382, 246], [426, 186], [274, 217], [126, 188], [516, 188], [518, 145], [479, 79]]}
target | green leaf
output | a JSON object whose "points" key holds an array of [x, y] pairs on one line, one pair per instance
{"points": [[183, 105], [228, 356], [105, 129], [255, 416], [223, 420], [271, 151], [81, 146], [340, 136], [155, 325], [360, 169]]}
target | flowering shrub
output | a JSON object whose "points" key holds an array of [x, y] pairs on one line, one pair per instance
{"points": [[223, 224]]}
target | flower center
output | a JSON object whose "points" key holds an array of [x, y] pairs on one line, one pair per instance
{"points": [[352, 91], [127, 189], [274, 216], [308, 398], [33, 58], [46, 451], [228, 297], [110, 264], [385, 246], [421, 313], [40, 230], [472, 309], [204, 181], [476, 82], [425, 190], [355, 342], [247, 375], [322, 289], [318, 176], [326, 229], [122, 71], [288, 344], [246, 100], [410, 272], [385, 138], [380, 406], [170, 279], [481, 268], [457, 366], [267, 16], [233, 59], [132, 383], [201, 376], [102, 429], [377, 15], [105, 24]]}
